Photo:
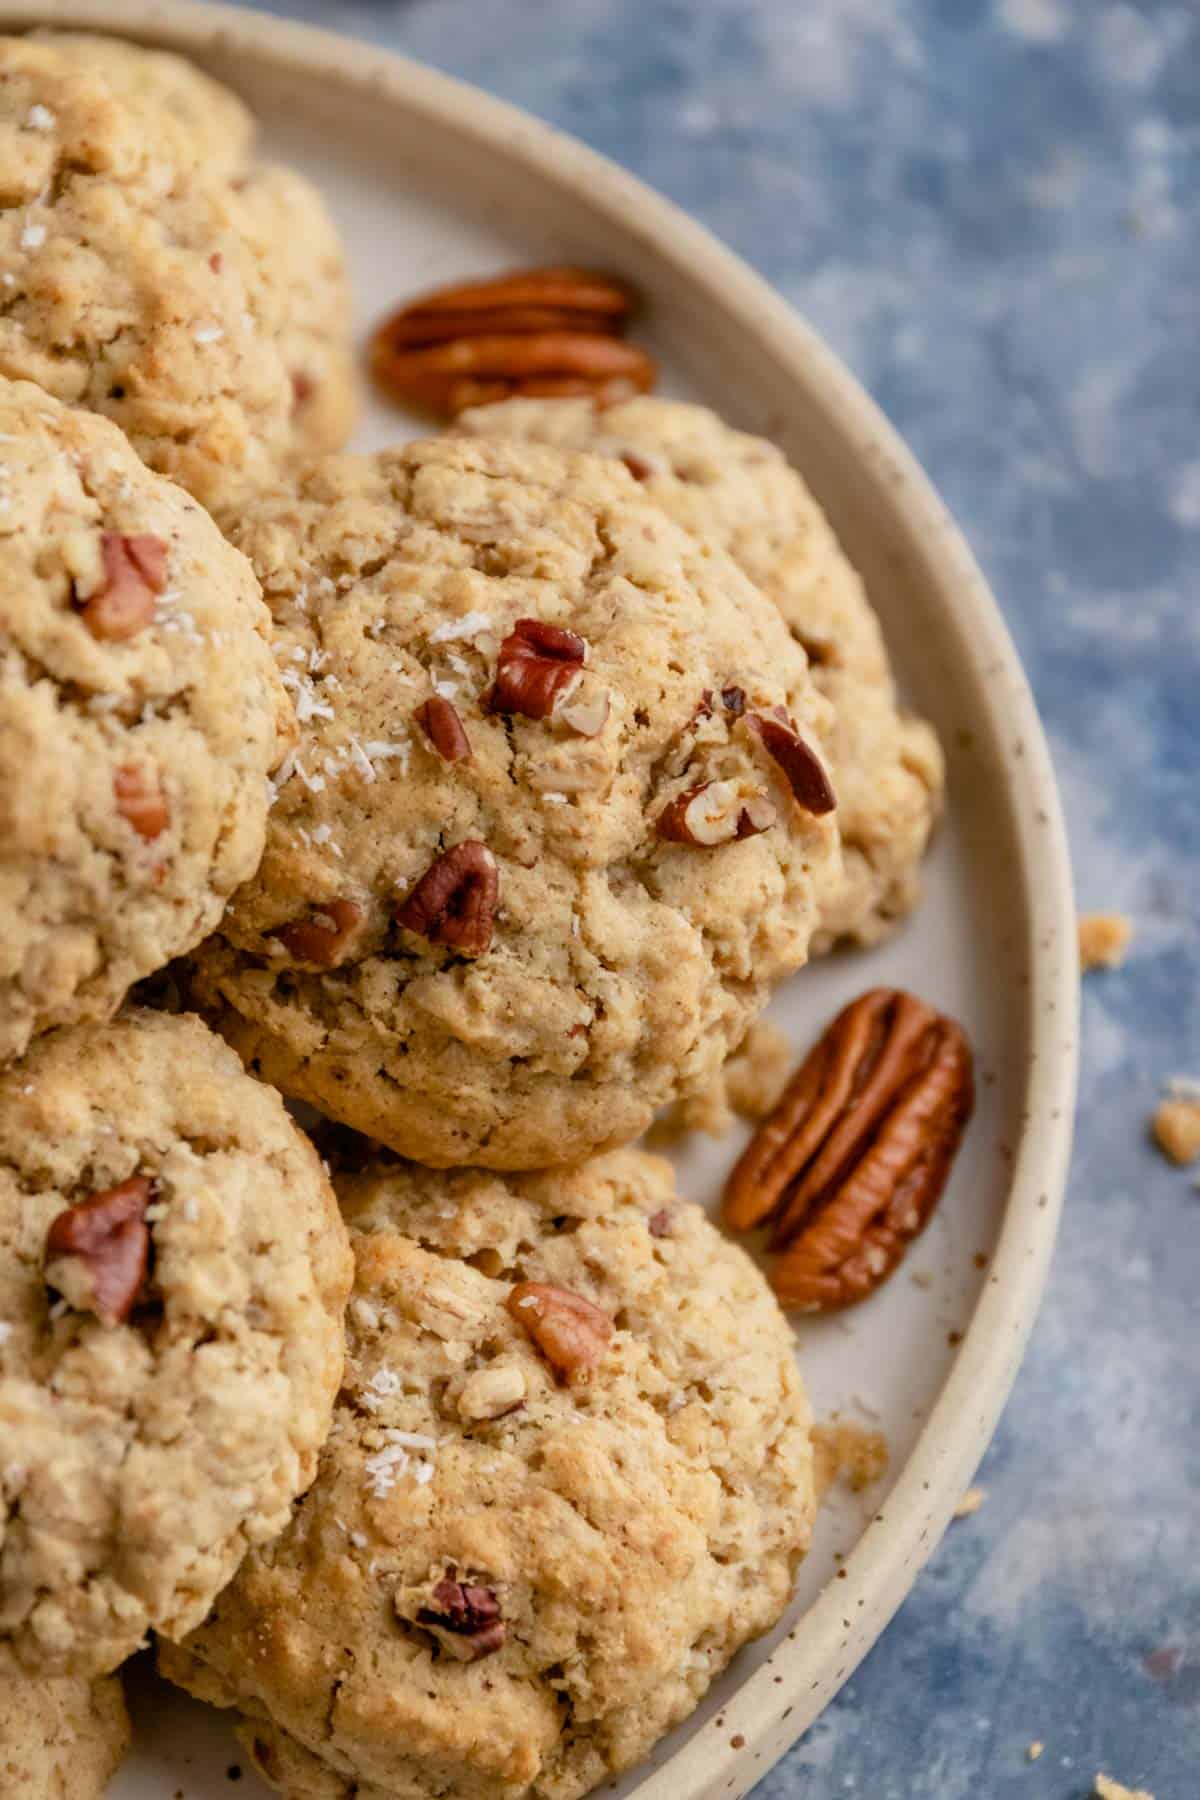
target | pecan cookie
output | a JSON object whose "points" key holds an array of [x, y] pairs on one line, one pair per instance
{"points": [[739, 492], [61, 1740], [206, 129], [569, 1475], [173, 1271], [557, 820], [133, 287], [140, 712], [182, 112]]}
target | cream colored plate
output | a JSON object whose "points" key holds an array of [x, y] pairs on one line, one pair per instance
{"points": [[432, 180]]}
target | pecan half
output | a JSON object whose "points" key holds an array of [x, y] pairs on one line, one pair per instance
{"points": [[539, 666], [140, 801], [454, 903], [439, 720], [135, 573], [468, 1613], [572, 1333], [536, 331], [799, 761], [715, 812], [325, 936], [98, 1252], [851, 1163]]}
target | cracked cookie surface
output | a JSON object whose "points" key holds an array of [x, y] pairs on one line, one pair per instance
{"points": [[206, 129], [134, 287], [740, 492], [141, 1455], [140, 712], [608, 969], [502, 1585], [61, 1740]]}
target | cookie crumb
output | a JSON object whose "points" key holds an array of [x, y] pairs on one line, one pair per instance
{"points": [[970, 1503], [1108, 1789], [1103, 940], [859, 1457], [1035, 1750], [1176, 1128]]}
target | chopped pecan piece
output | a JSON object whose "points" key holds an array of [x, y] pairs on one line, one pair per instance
{"points": [[454, 903], [661, 1224], [539, 666], [439, 720], [799, 761], [140, 801], [733, 699], [536, 331], [98, 1252], [851, 1163], [572, 1333], [325, 937], [715, 812], [135, 573], [468, 1613]]}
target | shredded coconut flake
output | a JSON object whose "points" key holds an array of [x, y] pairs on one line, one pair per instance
{"points": [[33, 237], [40, 118], [208, 334], [6, 1331], [360, 757], [469, 626]]}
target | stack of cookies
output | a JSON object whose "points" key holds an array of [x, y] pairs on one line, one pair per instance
{"points": [[478, 794]]}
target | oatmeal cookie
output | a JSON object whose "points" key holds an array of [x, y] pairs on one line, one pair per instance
{"points": [[61, 1740], [183, 113], [204, 128], [134, 288], [140, 712], [570, 1474], [740, 492], [173, 1271], [484, 929], [300, 244]]}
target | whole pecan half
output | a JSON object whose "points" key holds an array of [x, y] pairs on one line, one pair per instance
{"points": [[799, 761], [135, 573], [109, 1237], [850, 1165], [539, 665], [572, 1333], [439, 720], [469, 1612], [454, 902], [325, 936], [140, 801], [715, 812], [535, 331]]}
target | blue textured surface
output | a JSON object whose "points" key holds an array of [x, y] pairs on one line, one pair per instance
{"points": [[988, 207]]}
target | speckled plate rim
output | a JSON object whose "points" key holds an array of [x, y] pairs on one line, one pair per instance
{"points": [[774, 1705]]}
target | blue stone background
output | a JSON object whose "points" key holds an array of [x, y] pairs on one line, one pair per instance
{"points": [[989, 208]]}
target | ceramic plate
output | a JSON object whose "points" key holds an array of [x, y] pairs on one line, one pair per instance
{"points": [[430, 181]]}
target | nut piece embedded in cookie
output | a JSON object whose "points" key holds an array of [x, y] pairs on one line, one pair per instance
{"points": [[571, 1332], [536, 331], [540, 666], [850, 1165], [804, 769], [140, 801], [716, 812], [464, 1616], [326, 937], [134, 574], [455, 900], [440, 721], [98, 1251]]}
